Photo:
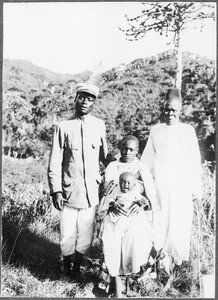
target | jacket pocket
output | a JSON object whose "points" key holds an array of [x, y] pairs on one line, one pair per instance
{"points": [[73, 152], [67, 181], [72, 147], [70, 144]]}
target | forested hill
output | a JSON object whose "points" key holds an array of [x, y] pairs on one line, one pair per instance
{"points": [[34, 99], [23, 75]]}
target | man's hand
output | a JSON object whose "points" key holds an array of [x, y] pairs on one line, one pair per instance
{"points": [[58, 200]]}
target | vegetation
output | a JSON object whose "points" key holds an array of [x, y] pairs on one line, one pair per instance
{"points": [[129, 102], [171, 19], [31, 254]]}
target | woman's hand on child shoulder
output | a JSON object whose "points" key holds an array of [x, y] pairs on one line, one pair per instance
{"points": [[138, 205], [135, 208], [116, 209]]}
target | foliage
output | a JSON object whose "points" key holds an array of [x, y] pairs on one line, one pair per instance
{"points": [[129, 102], [167, 17], [30, 248], [20, 282], [170, 19]]}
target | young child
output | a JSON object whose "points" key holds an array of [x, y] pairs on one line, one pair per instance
{"points": [[126, 194]]}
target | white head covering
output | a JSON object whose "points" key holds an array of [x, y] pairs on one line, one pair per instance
{"points": [[88, 88]]}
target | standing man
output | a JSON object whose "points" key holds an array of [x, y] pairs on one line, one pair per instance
{"points": [[172, 155], [73, 175]]}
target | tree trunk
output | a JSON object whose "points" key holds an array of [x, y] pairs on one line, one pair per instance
{"points": [[178, 56]]}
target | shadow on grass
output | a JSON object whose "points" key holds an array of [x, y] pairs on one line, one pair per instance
{"points": [[39, 255], [43, 257]]}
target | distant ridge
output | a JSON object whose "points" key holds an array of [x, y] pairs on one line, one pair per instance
{"points": [[35, 99], [23, 74]]}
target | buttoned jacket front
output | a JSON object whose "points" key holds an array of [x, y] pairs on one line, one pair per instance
{"points": [[74, 160]]}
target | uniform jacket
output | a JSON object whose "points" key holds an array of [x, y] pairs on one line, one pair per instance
{"points": [[74, 160]]}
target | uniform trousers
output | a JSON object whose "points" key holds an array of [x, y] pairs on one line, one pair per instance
{"points": [[77, 229]]}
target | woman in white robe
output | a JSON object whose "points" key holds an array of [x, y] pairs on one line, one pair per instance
{"points": [[127, 248], [172, 155]]}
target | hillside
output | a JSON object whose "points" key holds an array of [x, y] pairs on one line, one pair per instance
{"points": [[129, 101], [132, 95], [22, 75]]}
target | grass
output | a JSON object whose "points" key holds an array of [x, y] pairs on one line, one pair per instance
{"points": [[31, 258]]}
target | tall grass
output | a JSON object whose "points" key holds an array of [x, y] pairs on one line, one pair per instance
{"points": [[31, 258], [187, 282]]}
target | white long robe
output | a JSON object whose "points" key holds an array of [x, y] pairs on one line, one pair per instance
{"points": [[172, 155], [127, 244]]}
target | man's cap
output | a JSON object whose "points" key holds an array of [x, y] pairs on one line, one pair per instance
{"points": [[173, 94], [88, 88]]}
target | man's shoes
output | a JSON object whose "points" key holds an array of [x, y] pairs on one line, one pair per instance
{"points": [[112, 287], [67, 267], [72, 276], [67, 274], [76, 276]]}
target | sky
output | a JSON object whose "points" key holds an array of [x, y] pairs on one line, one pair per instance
{"points": [[71, 37]]}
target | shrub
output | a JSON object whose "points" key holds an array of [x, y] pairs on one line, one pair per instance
{"points": [[27, 215]]}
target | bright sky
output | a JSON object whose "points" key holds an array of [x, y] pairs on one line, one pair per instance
{"points": [[71, 37]]}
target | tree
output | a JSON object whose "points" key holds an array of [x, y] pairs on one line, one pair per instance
{"points": [[171, 19]]}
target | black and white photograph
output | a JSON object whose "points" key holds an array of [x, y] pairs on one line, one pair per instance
{"points": [[108, 149]]}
